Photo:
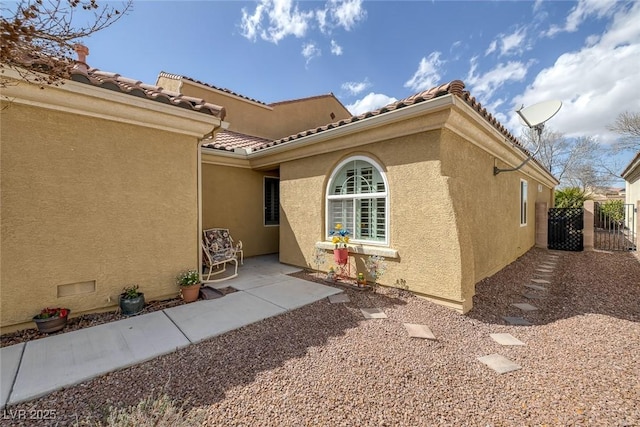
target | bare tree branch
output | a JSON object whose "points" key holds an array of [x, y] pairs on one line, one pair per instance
{"points": [[37, 36], [576, 162], [628, 126]]}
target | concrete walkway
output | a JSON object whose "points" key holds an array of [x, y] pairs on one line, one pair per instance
{"points": [[33, 369]]}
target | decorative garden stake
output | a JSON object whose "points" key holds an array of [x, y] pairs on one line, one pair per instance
{"points": [[376, 266], [318, 259]]}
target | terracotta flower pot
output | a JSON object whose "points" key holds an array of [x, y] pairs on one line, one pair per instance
{"points": [[190, 293], [51, 324], [341, 255]]}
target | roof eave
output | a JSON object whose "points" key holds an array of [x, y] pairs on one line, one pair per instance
{"points": [[631, 167]]}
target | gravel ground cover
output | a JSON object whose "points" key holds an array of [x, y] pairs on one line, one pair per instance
{"points": [[324, 365]]}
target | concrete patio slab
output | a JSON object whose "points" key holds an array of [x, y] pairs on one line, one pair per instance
{"points": [[506, 339], [201, 320], [80, 355], [541, 281], [499, 363], [9, 361], [292, 293], [373, 313], [525, 306], [532, 296], [518, 321], [535, 287], [338, 298], [252, 281], [419, 331]]}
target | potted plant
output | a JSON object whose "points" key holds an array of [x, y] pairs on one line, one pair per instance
{"points": [[340, 239], [331, 274], [362, 282], [131, 300], [189, 282], [51, 319]]}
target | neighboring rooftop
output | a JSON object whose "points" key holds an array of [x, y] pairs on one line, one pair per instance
{"points": [[229, 140], [113, 81], [230, 92], [455, 87]]}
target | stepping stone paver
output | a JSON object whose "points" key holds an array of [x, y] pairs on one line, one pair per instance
{"points": [[532, 296], [536, 287], [543, 270], [499, 363], [506, 339], [541, 281], [338, 298], [516, 321], [525, 306], [373, 313], [419, 331], [547, 266]]}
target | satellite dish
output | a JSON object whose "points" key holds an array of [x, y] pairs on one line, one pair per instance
{"points": [[534, 117], [539, 113]]}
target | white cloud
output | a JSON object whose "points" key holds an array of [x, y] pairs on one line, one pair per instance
{"points": [[273, 20], [321, 17], [336, 49], [354, 88], [427, 75], [283, 18], [509, 44], [580, 12], [514, 42], [346, 13], [595, 83], [371, 102], [310, 51], [492, 48], [484, 86]]}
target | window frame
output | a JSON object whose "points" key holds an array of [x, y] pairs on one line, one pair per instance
{"points": [[264, 201], [524, 202], [354, 197]]}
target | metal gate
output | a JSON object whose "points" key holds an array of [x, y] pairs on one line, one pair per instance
{"points": [[565, 229], [614, 227]]}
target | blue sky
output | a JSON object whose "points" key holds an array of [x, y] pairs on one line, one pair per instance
{"points": [[370, 53]]}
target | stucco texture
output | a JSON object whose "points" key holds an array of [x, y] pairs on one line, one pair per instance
{"points": [[422, 223], [273, 122], [91, 200], [451, 220], [232, 198]]}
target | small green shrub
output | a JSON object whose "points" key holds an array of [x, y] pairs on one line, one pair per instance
{"points": [[572, 197]]}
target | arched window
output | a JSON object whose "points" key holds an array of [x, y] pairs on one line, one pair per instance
{"points": [[357, 198]]}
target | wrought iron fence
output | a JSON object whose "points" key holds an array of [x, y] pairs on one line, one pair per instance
{"points": [[614, 227]]}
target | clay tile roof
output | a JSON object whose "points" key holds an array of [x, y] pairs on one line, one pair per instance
{"points": [[227, 140], [117, 83], [455, 87], [230, 92]]}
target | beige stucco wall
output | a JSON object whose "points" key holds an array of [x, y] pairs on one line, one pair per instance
{"points": [[422, 228], [295, 116], [452, 221], [91, 200], [272, 122], [232, 197], [487, 209]]}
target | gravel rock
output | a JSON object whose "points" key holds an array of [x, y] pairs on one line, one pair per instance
{"points": [[325, 365]]}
